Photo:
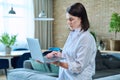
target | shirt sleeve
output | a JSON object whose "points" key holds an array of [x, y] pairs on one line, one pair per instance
{"points": [[83, 57]]}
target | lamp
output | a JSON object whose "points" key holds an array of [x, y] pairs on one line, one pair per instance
{"points": [[42, 15], [12, 11]]}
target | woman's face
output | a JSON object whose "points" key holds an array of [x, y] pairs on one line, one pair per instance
{"points": [[73, 21]]}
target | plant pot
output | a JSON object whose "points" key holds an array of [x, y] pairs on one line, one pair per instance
{"points": [[7, 50], [115, 45]]}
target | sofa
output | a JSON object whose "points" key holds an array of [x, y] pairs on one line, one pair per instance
{"points": [[106, 65]]}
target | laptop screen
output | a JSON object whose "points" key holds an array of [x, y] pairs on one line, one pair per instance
{"points": [[35, 49]]}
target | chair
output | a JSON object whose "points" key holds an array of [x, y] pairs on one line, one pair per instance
{"points": [[22, 58], [15, 60], [4, 64]]}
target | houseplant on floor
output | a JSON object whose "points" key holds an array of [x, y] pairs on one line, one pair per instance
{"points": [[8, 41], [114, 27]]}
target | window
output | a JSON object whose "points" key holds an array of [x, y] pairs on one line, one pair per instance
{"points": [[21, 23]]}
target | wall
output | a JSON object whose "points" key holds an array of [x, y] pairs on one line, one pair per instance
{"points": [[99, 13]]}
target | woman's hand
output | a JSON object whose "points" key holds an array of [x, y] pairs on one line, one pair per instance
{"points": [[62, 64], [53, 54], [57, 63]]}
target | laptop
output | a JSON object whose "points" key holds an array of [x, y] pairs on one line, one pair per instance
{"points": [[36, 52]]}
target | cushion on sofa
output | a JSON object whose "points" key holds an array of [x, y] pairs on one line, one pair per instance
{"points": [[54, 68], [39, 66], [99, 61], [27, 74], [111, 61]]}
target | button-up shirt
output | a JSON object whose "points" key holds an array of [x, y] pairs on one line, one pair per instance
{"points": [[79, 52]]}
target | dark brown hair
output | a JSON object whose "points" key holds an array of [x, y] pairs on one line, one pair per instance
{"points": [[79, 10]]}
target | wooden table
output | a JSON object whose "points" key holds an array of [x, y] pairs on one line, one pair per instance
{"points": [[3, 55]]}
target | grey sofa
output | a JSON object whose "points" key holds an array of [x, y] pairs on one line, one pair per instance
{"points": [[27, 73], [106, 65]]}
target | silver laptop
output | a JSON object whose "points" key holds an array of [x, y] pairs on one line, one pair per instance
{"points": [[36, 52]]}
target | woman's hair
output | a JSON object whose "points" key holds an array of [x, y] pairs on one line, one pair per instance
{"points": [[78, 10]]}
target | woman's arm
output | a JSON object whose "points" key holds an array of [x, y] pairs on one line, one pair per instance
{"points": [[58, 63], [61, 64]]}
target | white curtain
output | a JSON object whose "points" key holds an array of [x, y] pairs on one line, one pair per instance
{"points": [[21, 23], [43, 29]]}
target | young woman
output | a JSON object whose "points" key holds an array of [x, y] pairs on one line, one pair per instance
{"points": [[79, 50]]}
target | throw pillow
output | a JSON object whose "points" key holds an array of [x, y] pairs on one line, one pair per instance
{"points": [[54, 68], [111, 61], [99, 61], [39, 66]]}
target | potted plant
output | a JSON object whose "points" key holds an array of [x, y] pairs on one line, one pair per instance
{"points": [[94, 35], [114, 27], [8, 41]]}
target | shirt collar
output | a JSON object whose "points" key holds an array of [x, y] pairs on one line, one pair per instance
{"points": [[77, 30]]}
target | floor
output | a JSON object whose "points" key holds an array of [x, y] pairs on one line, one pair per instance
{"points": [[2, 77]]}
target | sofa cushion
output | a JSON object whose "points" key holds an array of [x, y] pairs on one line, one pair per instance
{"points": [[111, 61], [54, 68], [106, 72], [39, 66], [99, 61], [26, 74]]}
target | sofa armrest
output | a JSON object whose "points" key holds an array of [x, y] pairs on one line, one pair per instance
{"points": [[27, 64]]}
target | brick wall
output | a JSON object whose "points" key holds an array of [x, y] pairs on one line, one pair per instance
{"points": [[99, 13]]}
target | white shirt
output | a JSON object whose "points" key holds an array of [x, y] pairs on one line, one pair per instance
{"points": [[79, 51]]}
